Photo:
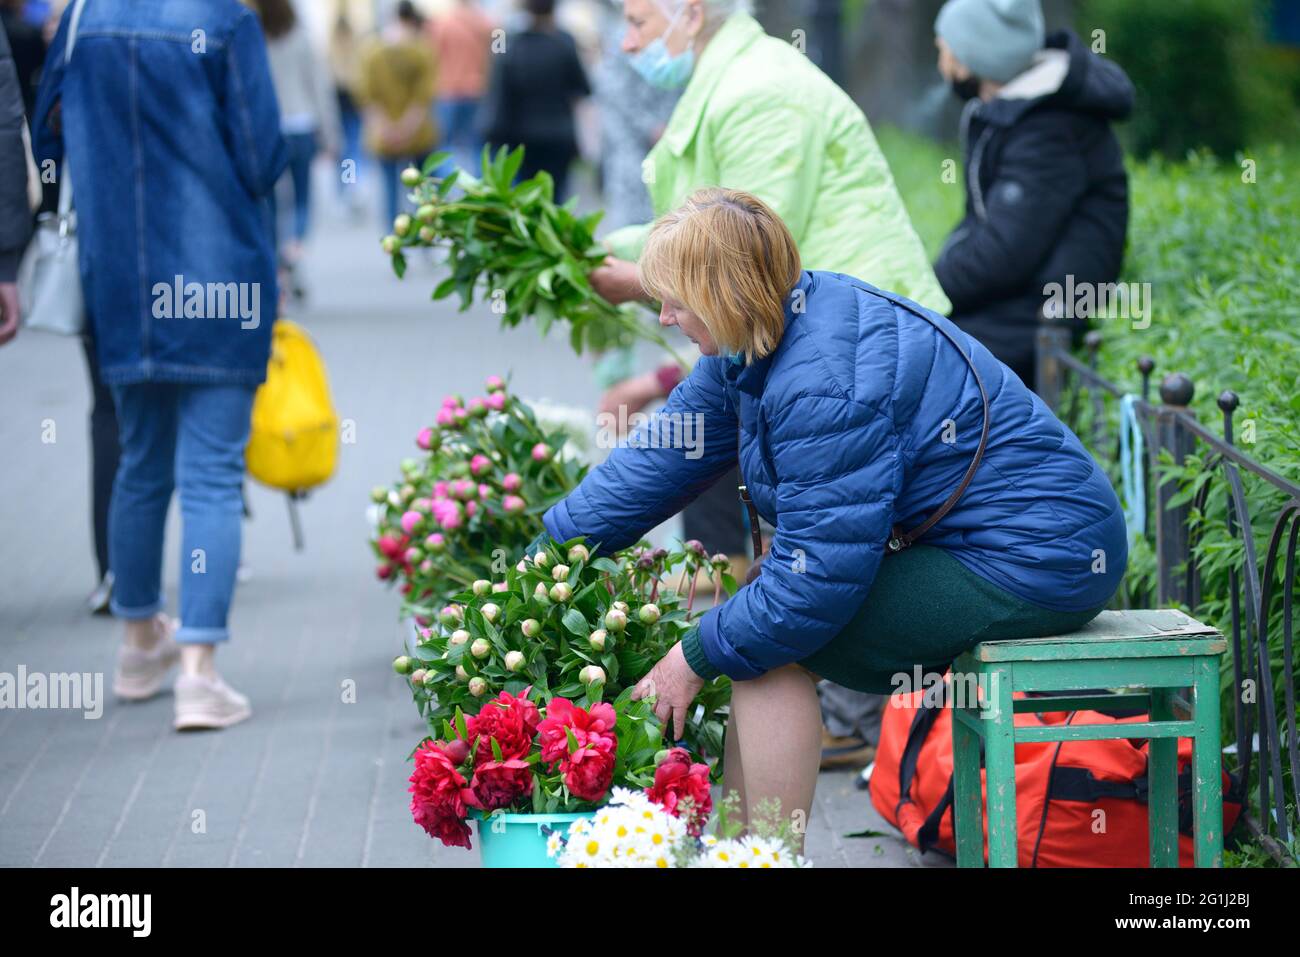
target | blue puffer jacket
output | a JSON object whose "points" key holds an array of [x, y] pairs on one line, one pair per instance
{"points": [[863, 417], [171, 128]]}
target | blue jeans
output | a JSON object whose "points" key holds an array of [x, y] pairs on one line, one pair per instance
{"points": [[302, 150], [192, 436], [456, 117]]}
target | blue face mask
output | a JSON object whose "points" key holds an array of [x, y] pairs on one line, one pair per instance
{"points": [[662, 69]]}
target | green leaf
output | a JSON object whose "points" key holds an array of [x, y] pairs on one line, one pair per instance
{"points": [[576, 622]]}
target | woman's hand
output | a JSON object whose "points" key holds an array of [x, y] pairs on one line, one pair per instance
{"points": [[672, 686], [632, 394], [617, 281]]}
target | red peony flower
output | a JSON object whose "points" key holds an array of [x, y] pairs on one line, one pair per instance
{"points": [[682, 789], [452, 831], [499, 784], [439, 792], [589, 771], [594, 728], [512, 721]]}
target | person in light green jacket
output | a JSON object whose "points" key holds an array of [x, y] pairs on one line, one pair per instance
{"points": [[756, 114]]}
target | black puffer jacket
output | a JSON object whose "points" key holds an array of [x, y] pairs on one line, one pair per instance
{"points": [[1046, 196]]}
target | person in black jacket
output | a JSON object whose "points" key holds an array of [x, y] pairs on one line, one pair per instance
{"points": [[1046, 189], [530, 97]]}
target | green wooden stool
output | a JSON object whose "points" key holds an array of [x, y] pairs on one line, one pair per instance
{"points": [[1159, 652]]}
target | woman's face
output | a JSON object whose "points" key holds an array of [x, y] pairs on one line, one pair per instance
{"points": [[675, 314], [647, 20]]}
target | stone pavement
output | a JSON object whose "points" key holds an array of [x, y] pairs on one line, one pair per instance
{"points": [[310, 780]]}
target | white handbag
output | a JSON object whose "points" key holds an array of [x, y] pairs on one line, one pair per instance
{"points": [[49, 279]]}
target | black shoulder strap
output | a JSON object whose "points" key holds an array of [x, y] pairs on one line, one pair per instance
{"points": [[899, 539]]}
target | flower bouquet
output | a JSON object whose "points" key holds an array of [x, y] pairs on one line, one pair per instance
{"points": [[531, 257], [471, 500], [515, 759], [643, 829], [563, 624]]}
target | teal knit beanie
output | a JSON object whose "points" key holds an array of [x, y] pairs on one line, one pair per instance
{"points": [[995, 39]]}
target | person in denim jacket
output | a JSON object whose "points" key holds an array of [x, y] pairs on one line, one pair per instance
{"points": [[166, 120]]}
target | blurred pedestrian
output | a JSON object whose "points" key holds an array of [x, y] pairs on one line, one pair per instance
{"points": [[534, 86], [1046, 188], [345, 64], [398, 84], [15, 207], [309, 120], [177, 257], [27, 47], [462, 40]]}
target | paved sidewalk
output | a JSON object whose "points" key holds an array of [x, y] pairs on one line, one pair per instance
{"points": [[310, 780]]}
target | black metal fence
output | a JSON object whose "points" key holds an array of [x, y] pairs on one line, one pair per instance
{"points": [[1263, 726]]}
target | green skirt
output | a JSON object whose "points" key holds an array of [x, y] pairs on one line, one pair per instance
{"points": [[925, 608]]}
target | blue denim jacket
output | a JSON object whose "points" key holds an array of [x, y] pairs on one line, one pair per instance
{"points": [[171, 129]]}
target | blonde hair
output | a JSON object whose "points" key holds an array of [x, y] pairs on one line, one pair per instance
{"points": [[728, 258]]}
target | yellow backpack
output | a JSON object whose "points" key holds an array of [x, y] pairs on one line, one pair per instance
{"points": [[293, 443]]}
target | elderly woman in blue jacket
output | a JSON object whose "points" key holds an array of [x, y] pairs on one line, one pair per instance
{"points": [[856, 416]]}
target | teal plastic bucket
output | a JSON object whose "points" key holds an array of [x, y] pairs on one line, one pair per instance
{"points": [[519, 840]]}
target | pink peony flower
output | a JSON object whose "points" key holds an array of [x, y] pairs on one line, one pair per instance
{"points": [[484, 490], [440, 489], [440, 796], [499, 784], [589, 727]]}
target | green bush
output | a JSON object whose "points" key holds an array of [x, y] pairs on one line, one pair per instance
{"points": [[1204, 76]]}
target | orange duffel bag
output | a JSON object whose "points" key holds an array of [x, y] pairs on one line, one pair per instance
{"points": [[1078, 803]]}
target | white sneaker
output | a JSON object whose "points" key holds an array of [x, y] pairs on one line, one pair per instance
{"points": [[203, 702], [140, 674]]}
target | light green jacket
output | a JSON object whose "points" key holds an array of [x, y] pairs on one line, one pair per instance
{"points": [[757, 115]]}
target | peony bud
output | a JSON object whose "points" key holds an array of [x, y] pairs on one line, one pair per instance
{"points": [[435, 542], [513, 505], [490, 611], [424, 439], [418, 676], [521, 567], [390, 244], [579, 553], [542, 559], [560, 572], [616, 620], [451, 615], [477, 408], [542, 452], [426, 213], [379, 495], [540, 592], [461, 673], [478, 687], [514, 660], [412, 177], [459, 636], [591, 675], [457, 750], [513, 482], [428, 235], [481, 648], [402, 224], [531, 627], [561, 592], [621, 606], [481, 587], [648, 614], [403, 665], [498, 586], [495, 383], [597, 639]]}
